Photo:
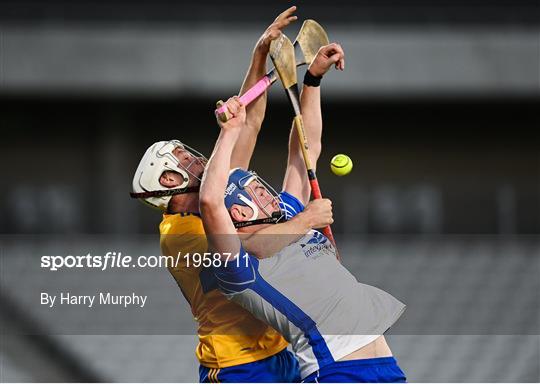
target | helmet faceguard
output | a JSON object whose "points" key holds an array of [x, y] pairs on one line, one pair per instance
{"points": [[240, 182], [158, 159]]}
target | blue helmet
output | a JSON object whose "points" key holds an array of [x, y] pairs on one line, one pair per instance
{"points": [[236, 193]]}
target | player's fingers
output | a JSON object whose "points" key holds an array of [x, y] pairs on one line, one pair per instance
{"points": [[335, 58], [233, 105], [280, 24], [326, 49], [341, 64], [285, 18], [286, 13], [232, 109], [239, 104], [336, 54], [331, 49], [290, 19], [326, 205], [339, 48], [228, 103]]}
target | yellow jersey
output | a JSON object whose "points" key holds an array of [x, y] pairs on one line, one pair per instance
{"points": [[228, 334]]}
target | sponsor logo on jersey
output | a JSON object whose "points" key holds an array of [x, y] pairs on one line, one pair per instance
{"points": [[316, 246]]}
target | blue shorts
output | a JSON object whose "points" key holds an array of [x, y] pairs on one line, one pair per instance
{"points": [[378, 370], [279, 368]]}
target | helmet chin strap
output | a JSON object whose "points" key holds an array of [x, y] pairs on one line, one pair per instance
{"points": [[165, 192], [276, 217], [250, 204]]}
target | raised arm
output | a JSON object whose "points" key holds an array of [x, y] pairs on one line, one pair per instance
{"points": [[245, 145], [296, 181], [218, 226]]}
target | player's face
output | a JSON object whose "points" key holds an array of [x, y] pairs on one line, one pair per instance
{"points": [[263, 198], [190, 163], [187, 161]]}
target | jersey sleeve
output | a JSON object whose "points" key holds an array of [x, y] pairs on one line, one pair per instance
{"points": [[238, 274], [290, 205]]}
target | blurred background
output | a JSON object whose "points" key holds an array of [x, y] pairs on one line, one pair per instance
{"points": [[437, 107]]}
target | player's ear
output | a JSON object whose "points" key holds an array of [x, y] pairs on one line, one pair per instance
{"points": [[241, 213], [237, 214]]}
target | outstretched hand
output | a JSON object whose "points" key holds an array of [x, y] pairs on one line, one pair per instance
{"points": [[274, 30], [328, 55], [237, 112]]}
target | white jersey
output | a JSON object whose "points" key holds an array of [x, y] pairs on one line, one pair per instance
{"points": [[311, 299]]}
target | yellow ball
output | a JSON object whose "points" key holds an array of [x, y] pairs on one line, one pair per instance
{"points": [[341, 165]]}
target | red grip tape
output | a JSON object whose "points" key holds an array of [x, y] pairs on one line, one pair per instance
{"points": [[315, 189]]}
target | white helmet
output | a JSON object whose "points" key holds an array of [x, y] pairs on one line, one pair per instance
{"points": [[157, 159]]}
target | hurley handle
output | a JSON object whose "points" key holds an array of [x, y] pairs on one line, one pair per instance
{"points": [[312, 176], [250, 95], [316, 192]]}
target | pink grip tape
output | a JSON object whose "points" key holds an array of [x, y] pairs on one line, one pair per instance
{"points": [[250, 95]]}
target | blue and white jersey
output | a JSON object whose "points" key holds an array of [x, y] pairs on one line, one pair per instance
{"points": [[305, 293], [290, 205]]}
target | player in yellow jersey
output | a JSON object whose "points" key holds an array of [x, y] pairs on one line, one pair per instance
{"points": [[233, 345]]}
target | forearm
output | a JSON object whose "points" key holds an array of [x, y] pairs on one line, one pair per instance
{"points": [[310, 102], [255, 111], [219, 229], [270, 240], [257, 69], [216, 174]]}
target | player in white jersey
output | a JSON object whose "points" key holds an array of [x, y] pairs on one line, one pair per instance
{"points": [[334, 324]]}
